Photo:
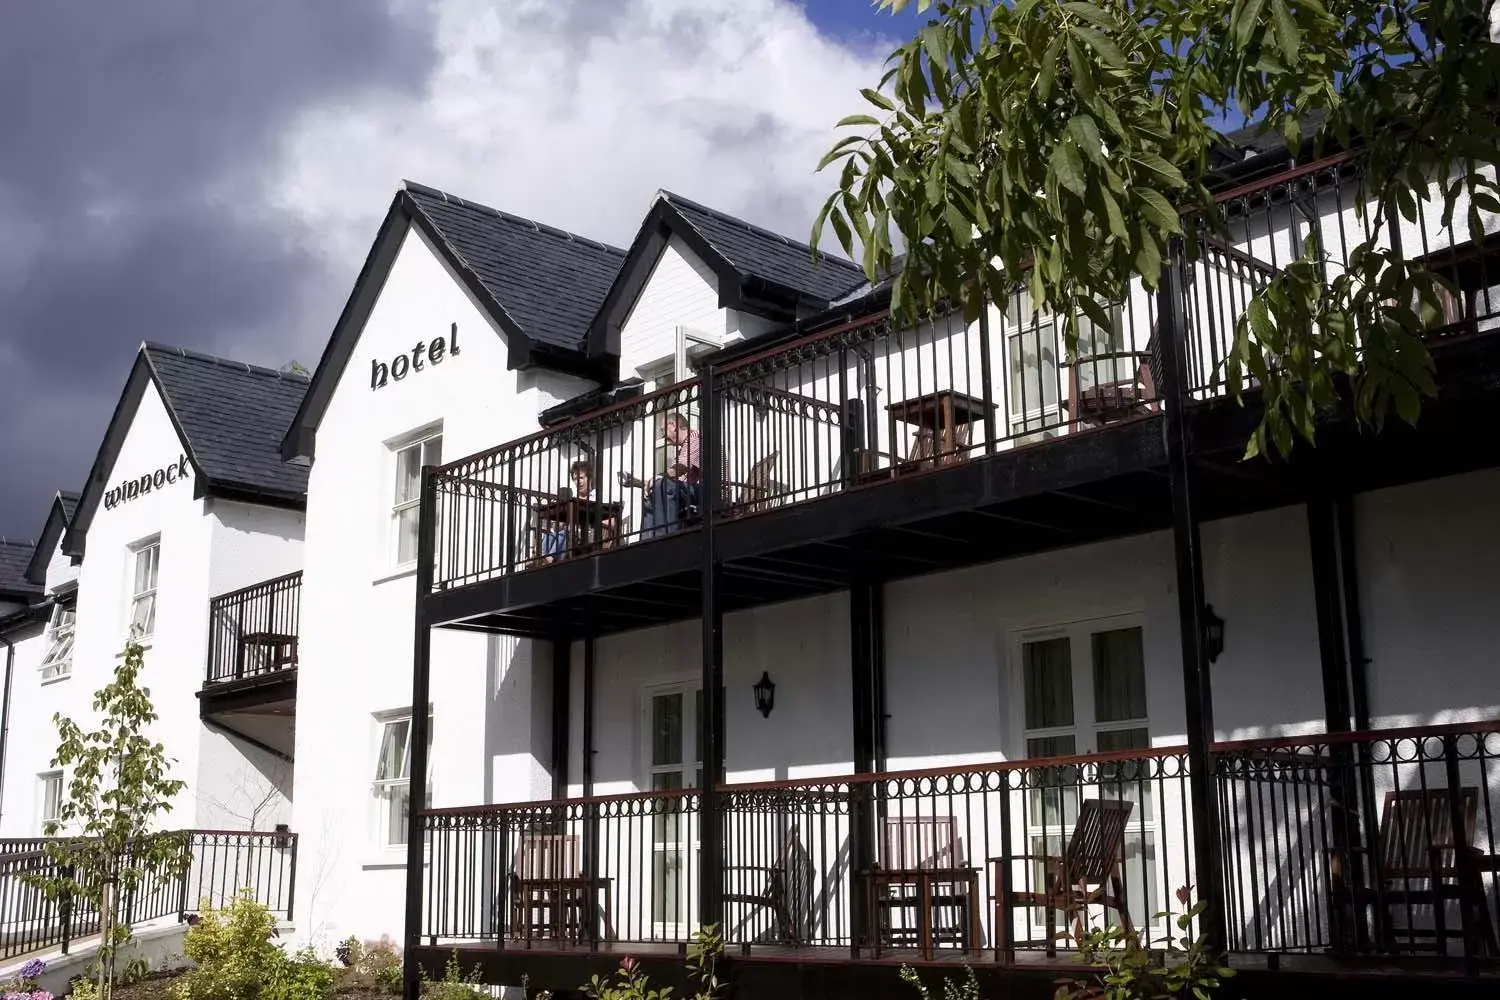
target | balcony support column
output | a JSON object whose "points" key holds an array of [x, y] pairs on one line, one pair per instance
{"points": [[1208, 872], [711, 722], [867, 683], [562, 710], [421, 699]]}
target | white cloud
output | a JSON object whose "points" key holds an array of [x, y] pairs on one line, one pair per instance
{"points": [[574, 112]]}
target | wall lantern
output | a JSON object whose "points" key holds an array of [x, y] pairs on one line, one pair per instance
{"points": [[283, 838], [1213, 633], [765, 695]]}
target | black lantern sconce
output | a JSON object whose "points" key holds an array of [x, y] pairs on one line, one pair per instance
{"points": [[1213, 633], [765, 695], [283, 838]]}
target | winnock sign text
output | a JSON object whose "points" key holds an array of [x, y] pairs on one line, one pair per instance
{"points": [[426, 352], [132, 488]]}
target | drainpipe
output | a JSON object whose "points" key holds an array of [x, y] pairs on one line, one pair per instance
{"points": [[10, 662]]}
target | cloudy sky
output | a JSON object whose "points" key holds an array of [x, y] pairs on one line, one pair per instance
{"points": [[211, 174]]}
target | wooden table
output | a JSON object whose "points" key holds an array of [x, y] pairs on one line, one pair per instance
{"points": [[943, 413], [560, 908], [279, 648], [580, 518], [922, 891]]}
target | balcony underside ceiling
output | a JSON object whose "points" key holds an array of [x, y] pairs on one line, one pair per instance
{"points": [[271, 694], [1077, 489]]}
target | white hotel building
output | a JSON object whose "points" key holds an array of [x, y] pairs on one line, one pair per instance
{"points": [[941, 600]]}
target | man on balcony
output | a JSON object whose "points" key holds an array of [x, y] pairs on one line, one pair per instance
{"points": [[673, 494], [555, 539]]}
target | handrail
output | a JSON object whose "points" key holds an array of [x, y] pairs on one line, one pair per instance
{"points": [[252, 588], [583, 418], [1344, 739]]}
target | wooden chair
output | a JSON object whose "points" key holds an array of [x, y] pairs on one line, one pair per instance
{"points": [[1089, 872], [545, 896], [1420, 863], [1108, 400], [916, 844], [783, 884], [759, 491]]}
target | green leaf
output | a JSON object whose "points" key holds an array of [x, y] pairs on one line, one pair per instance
{"points": [[878, 99], [1158, 210], [1162, 171], [1244, 20], [1091, 14], [1288, 35], [1068, 166], [850, 120], [1102, 44], [1048, 73], [1086, 134]]}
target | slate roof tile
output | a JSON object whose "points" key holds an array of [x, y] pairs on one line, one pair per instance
{"points": [[233, 415], [550, 282], [761, 253], [15, 557]]}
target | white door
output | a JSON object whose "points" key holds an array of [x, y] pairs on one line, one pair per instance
{"points": [[1084, 691], [674, 758]]}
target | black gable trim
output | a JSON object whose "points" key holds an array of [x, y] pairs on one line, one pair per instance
{"points": [[52, 534], [301, 435], [109, 450]]}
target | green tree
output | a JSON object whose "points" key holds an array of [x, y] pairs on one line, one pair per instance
{"points": [[119, 785], [1058, 145]]}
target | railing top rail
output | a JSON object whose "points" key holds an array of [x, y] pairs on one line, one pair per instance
{"points": [[786, 347], [497, 807], [1370, 736], [1282, 178], [275, 581], [644, 399]]}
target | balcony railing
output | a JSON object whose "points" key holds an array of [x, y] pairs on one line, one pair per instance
{"points": [[217, 865], [867, 402], [1329, 845], [253, 632]]}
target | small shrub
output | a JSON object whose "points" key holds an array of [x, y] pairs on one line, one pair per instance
{"points": [[630, 983], [968, 989], [84, 988], [304, 976], [454, 985], [1127, 969], [233, 951], [369, 967]]}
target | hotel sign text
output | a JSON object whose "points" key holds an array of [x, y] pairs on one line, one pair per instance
{"points": [[132, 488]]}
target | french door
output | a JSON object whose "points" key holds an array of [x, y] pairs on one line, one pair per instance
{"points": [[675, 761], [1084, 691]]}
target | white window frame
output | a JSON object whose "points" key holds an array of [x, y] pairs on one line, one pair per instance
{"points": [[136, 551], [45, 781], [57, 662], [688, 345], [680, 834], [397, 507], [383, 790]]}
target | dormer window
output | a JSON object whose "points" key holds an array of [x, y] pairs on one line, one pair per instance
{"points": [[58, 661]]}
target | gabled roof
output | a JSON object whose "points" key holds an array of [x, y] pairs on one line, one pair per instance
{"points": [[230, 417], [541, 286], [15, 556], [757, 270], [59, 516]]}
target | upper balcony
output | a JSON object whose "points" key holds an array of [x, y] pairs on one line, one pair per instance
{"points": [[252, 656], [861, 445]]}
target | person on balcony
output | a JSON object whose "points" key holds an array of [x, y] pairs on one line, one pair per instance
{"points": [[555, 538], [673, 495]]}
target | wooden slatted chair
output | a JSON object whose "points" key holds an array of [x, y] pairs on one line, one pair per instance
{"points": [[781, 887], [1089, 872], [544, 900], [1420, 863]]}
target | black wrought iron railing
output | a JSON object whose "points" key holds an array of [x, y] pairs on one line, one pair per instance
{"points": [[254, 631], [214, 867], [865, 402], [1338, 845]]}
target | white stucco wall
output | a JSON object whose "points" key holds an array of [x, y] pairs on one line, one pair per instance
{"points": [[490, 695], [29, 736]]}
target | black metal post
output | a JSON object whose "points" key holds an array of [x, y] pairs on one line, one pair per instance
{"points": [[1346, 922], [562, 682], [420, 701], [986, 376], [591, 809], [863, 666], [1188, 548], [711, 724]]}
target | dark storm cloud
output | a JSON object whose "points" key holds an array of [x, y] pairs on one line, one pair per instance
{"points": [[133, 143]]}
